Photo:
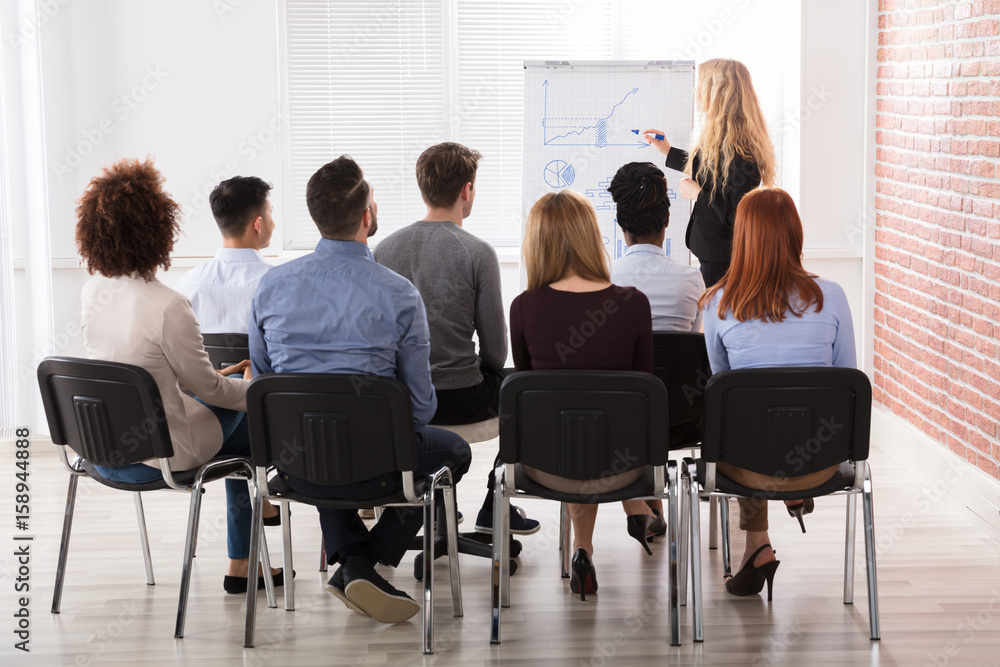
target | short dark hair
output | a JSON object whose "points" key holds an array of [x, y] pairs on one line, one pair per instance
{"points": [[337, 196], [126, 222], [443, 170], [237, 202], [639, 189]]}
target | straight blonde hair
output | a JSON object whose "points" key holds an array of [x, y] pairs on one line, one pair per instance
{"points": [[733, 124], [562, 236]]}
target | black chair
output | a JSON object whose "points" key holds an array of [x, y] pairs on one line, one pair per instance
{"points": [[581, 425], [226, 349], [680, 360], [111, 414], [786, 422], [342, 429]]}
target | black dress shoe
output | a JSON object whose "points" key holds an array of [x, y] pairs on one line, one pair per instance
{"points": [[239, 584], [273, 520]]}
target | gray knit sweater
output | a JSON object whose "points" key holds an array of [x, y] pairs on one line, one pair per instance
{"points": [[458, 276]]}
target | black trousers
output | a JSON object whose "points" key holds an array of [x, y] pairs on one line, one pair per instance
{"points": [[469, 405], [391, 536], [712, 272]]}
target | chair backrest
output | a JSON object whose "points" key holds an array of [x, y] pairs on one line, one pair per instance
{"points": [[226, 349], [680, 360], [787, 421], [111, 414], [331, 428], [583, 424]]}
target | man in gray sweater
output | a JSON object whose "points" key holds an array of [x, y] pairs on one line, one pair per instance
{"points": [[458, 277]]}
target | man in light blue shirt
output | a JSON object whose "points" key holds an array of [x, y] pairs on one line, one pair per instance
{"points": [[337, 311], [639, 190], [220, 289]]}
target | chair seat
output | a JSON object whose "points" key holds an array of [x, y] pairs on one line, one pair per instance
{"points": [[184, 477], [637, 489], [278, 486], [841, 480], [475, 432]]}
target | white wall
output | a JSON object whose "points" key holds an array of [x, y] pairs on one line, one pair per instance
{"points": [[199, 91]]}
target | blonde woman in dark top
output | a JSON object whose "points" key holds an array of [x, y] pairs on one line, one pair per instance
{"points": [[568, 279], [732, 156]]}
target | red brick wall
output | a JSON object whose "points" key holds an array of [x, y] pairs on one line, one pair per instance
{"points": [[937, 252]]}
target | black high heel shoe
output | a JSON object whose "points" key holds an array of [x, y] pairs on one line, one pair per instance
{"points": [[805, 507], [750, 580], [584, 577], [659, 527], [640, 526]]}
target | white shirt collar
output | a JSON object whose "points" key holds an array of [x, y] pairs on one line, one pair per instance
{"points": [[239, 255], [645, 248]]}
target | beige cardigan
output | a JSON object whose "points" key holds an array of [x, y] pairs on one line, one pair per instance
{"points": [[150, 325]]}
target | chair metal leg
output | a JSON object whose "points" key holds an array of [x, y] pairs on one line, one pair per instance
{"points": [[869, 511], [564, 544], [322, 555], [147, 560], [265, 564], [695, 536], [256, 533], [378, 512], [675, 623], [194, 514], [684, 521], [505, 546], [727, 559], [498, 559], [852, 513], [64, 543], [286, 552], [451, 528], [428, 606], [713, 522]]}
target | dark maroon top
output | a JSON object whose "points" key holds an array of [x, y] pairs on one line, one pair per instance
{"points": [[607, 330]]}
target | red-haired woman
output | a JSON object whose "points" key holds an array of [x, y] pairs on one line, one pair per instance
{"points": [[768, 311]]}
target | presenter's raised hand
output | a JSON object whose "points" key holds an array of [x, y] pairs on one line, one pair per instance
{"points": [[690, 189], [661, 145]]}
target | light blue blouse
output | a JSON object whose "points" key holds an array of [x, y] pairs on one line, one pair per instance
{"points": [[824, 338]]}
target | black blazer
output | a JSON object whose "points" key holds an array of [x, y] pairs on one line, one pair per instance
{"points": [[710, 230]]}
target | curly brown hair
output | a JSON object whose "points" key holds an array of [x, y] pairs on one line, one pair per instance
{"points": [[126, 222]]}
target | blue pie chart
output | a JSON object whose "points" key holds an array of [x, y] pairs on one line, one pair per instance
{"points": [[559, 174]]}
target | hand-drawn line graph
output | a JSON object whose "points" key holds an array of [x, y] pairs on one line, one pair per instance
{"points": [[559, 174], [581, 128]]}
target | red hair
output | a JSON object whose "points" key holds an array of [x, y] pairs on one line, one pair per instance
{"points": [[765, 280]]}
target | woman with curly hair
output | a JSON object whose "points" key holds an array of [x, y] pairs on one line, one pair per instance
{"points": [[126, 227], [732, 156]]}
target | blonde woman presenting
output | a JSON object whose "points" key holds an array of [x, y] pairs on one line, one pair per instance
{"points": [[732, 156]]}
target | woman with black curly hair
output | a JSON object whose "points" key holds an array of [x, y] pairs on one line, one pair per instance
{"points": [[639, 191], [126, 227]]}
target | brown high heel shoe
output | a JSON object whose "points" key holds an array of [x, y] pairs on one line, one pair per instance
{"points": [[750, 580], [805, 507]]}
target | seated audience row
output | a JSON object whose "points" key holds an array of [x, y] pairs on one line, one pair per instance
{"points": [[413, 316]]}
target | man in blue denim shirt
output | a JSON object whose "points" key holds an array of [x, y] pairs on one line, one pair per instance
{"points": [[337, 311]]}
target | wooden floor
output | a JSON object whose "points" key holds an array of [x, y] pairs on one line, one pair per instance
{"points": [[938, 575]]}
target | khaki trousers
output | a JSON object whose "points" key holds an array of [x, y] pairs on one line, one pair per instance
{"points": [[753, 511]]}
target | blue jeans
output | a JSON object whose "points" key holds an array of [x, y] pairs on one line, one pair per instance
{"points": [[235, 442], [391, 536]]}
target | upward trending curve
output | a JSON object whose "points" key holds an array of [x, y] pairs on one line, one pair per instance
{"points": [[599, 124]]}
